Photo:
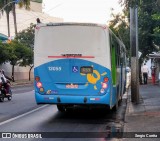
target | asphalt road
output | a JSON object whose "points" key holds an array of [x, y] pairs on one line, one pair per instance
{"points": [[21, 114]]}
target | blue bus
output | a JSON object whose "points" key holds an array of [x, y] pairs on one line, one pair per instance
{"points": [[78, 64]]}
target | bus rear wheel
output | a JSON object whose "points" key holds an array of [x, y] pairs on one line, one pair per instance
{"points": [[115, 108], [61, 108]]}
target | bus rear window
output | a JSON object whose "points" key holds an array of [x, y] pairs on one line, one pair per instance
{"points": [[61, 40]]}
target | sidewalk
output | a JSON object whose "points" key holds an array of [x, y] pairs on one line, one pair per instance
{"points": [[21, 83], [145, 116]]}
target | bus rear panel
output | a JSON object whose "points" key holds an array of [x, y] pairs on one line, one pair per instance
{"points": [[72, 65]]}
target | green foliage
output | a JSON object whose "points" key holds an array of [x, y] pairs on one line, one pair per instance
{"points": [[4, 53], [19, 53], [8, 8], [156, 28], [24, 3], [26, 36], [20, 50], [148, 24], [119, 26], [16, 53], [39, 1]]}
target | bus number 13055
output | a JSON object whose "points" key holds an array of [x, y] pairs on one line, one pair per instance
{"points": [[54, 68]]}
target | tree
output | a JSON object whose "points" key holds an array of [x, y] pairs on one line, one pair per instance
{"points": [[120, 27], [26, 37], [19, 55], [156, 31], [4, 53], [10, 6], [7, 9], [25, 4], [29, 62], [148, 24], [22, 3]]}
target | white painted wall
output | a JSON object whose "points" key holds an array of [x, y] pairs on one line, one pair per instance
{"points": [[148, 63], [20, 72]]}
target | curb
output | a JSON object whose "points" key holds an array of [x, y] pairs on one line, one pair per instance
{"points": [[127, 111]]}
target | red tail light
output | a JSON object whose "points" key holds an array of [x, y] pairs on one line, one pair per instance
{"points": [[39, 84], [37, 78], [105, 79], [104, 85]]}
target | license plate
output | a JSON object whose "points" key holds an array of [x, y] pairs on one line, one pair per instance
{"points": [[72, 86]]}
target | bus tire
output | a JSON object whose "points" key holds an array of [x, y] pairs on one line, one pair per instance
{"points": [[120, 100], [61, 108], [115, 108]]}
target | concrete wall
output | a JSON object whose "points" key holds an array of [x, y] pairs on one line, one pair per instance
{"points": [[37, 7], [20, 72], [148, 63]]}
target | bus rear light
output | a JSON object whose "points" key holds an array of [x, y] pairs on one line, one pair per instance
{"points": [[95, 99], [105, 79], [39, 84], [41, 89], [104, 85], [102, 91], [37, 78]]}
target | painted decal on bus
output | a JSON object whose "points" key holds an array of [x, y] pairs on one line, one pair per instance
{"points": [[93, 78]]}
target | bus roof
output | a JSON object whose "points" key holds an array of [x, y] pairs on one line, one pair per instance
{"points": [[72, 23]]}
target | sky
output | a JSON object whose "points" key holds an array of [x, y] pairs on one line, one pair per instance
{"points": [[97, 11]]}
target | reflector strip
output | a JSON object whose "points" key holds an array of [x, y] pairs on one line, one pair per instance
{"points": [[94, 98], [71, 57]]}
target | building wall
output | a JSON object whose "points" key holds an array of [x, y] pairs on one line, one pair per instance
{"points": [[20, 72], [148, 63], [36, 7]]}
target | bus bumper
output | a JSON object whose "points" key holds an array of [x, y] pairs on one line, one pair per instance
{"points": [[72, 99]]}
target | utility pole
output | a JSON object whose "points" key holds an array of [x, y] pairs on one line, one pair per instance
{"points": [[134, 55]]}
